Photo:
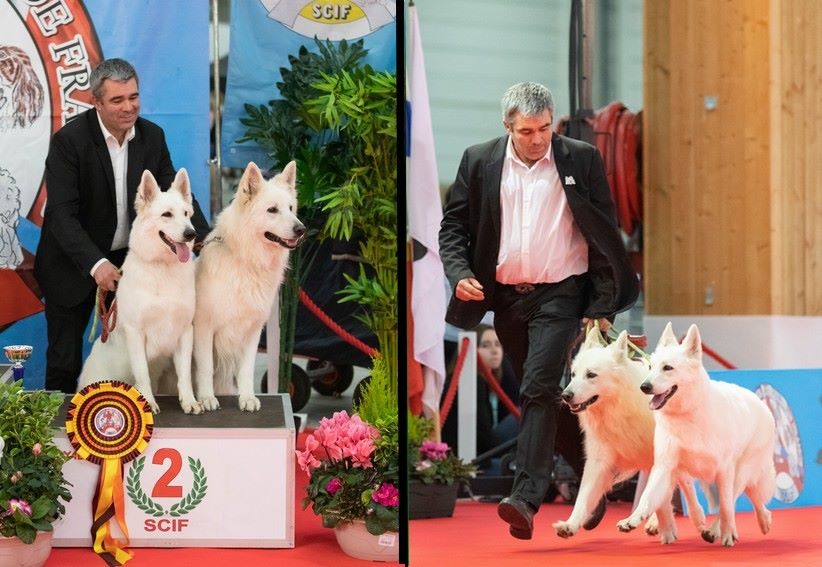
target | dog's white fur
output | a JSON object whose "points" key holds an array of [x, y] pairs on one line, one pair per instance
{"points": [[239, 273], [619, 431], [710, 430], [155, 297]]}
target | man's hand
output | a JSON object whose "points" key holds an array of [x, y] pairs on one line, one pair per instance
{"points": [[106, 276], [469, 289]]}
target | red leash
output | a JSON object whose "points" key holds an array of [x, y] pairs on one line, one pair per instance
{"points": [[107, 315]]}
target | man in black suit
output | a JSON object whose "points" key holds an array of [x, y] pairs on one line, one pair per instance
{"points": [[93, 168], [530, 233]]}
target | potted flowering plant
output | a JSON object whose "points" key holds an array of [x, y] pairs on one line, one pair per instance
{"points": [[347, 480], [32, 486], [435, 473]]}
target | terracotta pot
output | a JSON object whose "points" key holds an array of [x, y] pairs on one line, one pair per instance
{"points": [[355, 540], [435, 500], [15, 553]]}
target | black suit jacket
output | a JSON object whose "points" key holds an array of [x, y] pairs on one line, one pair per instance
{"points": [[470, 230], [81, 209]]}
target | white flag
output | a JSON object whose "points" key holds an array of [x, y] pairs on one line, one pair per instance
{"points": [[424, 217]]}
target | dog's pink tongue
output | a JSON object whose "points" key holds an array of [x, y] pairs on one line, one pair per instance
{"points": [[183, 253], [656, 401]]}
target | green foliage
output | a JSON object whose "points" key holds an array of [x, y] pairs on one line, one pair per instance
{"points": [[359, 104], [31, 468]]}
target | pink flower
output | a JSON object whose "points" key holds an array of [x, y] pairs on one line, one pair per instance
{"points": [[307, 461], [19, 504], [387, 495], [333, 486], [433, 450], [361, 454], [422, 465], [37, 449]]}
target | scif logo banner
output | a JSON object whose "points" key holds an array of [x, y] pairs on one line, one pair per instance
{"points": [[267, 33], [191, 492]]}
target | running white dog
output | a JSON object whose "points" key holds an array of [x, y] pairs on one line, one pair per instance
{"points": [[239, 273], [619, 431], [713, 431], [155, 298]]}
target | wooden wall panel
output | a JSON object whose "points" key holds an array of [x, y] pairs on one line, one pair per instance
{"points": [[707, 179], [796, 177]]}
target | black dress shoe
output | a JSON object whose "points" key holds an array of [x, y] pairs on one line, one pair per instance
{"points": [[519, 515], [596, 516]]}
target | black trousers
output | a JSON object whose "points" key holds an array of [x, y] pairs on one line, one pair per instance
{"points": [[65, 329], [537, 331]]}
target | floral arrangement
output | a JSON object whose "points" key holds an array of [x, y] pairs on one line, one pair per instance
{"points": [[433, 461], [31, 478], [352, 469]]}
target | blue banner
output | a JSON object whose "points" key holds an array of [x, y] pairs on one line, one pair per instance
{"points": [[47, 51], [265, 32]]}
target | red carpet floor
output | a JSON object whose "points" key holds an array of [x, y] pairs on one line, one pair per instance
{"points": [[475, 536], [314, 545]]}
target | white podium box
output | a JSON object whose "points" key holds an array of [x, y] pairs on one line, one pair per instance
{"points": [[221, 479]]}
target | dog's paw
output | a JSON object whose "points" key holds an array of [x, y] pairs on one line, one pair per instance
{"points": [[729, 539], [708, 535], [249, 403], [565, 529], [155, 409], [210, 403], [652, 525], [191, 407], [667, 538], [626, 525]]}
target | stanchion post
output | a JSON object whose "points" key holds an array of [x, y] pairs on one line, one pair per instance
{"points": [[272, 342], [467, 399]]}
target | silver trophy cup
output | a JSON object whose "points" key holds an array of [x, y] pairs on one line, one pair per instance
{"points": [[17, 355]]}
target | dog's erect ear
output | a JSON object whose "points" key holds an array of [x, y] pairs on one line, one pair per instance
{"points": [[146, 191], [289, 176], [182, 184], [668, 338], [620, 346], [593, 339], [251, 182], [692, 343]]}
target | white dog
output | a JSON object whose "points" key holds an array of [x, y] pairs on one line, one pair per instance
{"points": [[239, 273], [713, 431], [619, 431], [155, 298]]}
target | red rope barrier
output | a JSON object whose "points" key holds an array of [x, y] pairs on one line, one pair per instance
{"points": [[713, 354], [455, 378], [485, 372], [342, 333]]}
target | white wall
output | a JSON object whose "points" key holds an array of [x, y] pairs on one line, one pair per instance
{"points": [[475, 49]]}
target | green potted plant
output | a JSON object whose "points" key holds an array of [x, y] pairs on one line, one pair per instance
{"points": [[434, 472], [32, 486]]}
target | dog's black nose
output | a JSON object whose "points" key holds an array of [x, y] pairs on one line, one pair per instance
{"points": [[646, 387], [189, 234], [299, 229], [566, 395]]}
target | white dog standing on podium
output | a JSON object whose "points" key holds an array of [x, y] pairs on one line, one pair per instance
{"points": [[239, 273], [710, 430], [155, 298]]}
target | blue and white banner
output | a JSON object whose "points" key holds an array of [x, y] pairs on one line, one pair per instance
{"points": [[264, 33], [47, 51]]}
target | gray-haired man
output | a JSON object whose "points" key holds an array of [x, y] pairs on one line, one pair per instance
{"points": [[530, 233]]}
